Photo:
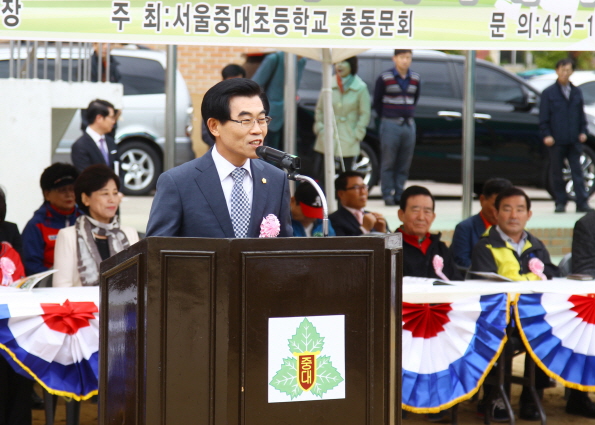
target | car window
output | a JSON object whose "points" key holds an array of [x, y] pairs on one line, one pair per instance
{"points": [[588, 90], [493, 86], [141, 76], [435, 78], [311, 76]]}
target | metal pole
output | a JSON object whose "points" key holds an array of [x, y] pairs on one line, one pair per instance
{"points": [[107, 63], [329, 151], [27, 58], [70, 61], [468, 132], [289, 92], [58, 62], [11, 60], [45, 60], [35, 70], [18, 69], [79, 68], [170, 108], [99, 62]]}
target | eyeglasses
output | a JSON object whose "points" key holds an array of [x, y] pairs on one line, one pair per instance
{"points": [[357, 187], [249, 123]]}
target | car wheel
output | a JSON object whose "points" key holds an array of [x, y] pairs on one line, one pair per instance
{"points": [[140, 167], [367, 164], [587, 165]]}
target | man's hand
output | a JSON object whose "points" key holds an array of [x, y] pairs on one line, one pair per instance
{"points": [[582, 137], [374, 221], [549, 141]]}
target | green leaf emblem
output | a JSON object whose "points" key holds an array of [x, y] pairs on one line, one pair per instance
{"points": [[306, 340]]}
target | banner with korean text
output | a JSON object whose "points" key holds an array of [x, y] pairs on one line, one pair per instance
{"points": [[437, 24]]}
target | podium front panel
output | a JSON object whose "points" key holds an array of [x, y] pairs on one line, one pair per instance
{"points": [[186, 322]]}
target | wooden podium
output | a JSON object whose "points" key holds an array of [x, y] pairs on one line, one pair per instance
{"points": [[190, 329]]}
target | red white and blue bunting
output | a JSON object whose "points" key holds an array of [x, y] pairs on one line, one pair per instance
{"points": [[559, 333], [55, 343], [449, 348]]}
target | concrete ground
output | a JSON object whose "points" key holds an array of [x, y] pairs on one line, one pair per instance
{"points": [[553, 404], [135, 210], [135, 213]]}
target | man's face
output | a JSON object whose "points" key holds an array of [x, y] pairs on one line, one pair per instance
{"points": [[513, 216], [564, 72], [298, 215], [402, 62], [235, 142], [105, 124], [418, 215], [355, 194], [61, 198], [488, 208]]}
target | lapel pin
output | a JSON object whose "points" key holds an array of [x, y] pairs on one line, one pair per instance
{"points": [[264, 180]]}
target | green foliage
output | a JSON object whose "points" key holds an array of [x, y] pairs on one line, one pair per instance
{"points": [[584, 60], [327, 376]]}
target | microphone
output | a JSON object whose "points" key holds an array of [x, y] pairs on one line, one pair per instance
{"points": [[289, 162]]}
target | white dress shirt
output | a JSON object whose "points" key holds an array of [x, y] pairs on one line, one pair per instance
{"points": [[96, 136], [224, 169]]}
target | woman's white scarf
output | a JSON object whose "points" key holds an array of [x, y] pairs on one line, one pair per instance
{"points": [[88, 257]]}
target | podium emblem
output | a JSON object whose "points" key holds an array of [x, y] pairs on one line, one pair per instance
{"points": [[315, 368]]}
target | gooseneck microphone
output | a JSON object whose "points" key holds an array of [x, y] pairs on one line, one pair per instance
{"points": [[289, 162], [292, 163]]}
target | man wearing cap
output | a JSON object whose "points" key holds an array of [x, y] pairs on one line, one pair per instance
{"points": [[351, 219], [96, 146], [58, 211], [307, 212]]}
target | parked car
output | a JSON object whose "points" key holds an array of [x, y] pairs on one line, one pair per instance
{"points": [[140, 133], [507, 141]]}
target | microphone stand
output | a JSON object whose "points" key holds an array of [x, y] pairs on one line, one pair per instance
{"points": [[292, 175]]}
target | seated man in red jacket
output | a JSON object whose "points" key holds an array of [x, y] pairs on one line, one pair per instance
{"points": [[424, 255]]}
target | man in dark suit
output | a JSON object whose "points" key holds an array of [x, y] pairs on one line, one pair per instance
{"points": [[96, 146], [227, 192], [563, 127], [351, 219], [468, 231]]}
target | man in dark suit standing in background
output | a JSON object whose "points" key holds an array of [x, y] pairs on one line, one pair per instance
{"points": [[96, 146], [351, 219], [563, 127], [228, 191]]}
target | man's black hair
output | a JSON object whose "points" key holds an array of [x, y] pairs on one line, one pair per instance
{"points": [[509, 193], [352, 61], [341, 180], [414, 191], [57, 175], [564, 62], [93, 178], [215, 104], [495, 186], [232, 71], [401, 51], [98, 107]]}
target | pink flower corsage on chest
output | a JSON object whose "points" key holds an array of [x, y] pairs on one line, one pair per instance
{"points": [[270, 227]]}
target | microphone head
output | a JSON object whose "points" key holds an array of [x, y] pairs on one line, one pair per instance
{"points": [[261, 151]]}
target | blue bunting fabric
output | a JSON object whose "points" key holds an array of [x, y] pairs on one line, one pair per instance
{"points": [[448, 349], [559, 333]]}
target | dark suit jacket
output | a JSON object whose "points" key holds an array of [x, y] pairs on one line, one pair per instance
{"points": [[9, 232], [466, 235], [189, 201], [562, 118], [85, 152], [583, 245], [345, 223]]}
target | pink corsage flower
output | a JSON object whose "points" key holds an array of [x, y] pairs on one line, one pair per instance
{"points": [[438, 263], [270, 227], [8, 268], [536, 266]]}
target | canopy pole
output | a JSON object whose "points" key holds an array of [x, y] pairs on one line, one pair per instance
{"points": [[468, 132], [170, 108], [329, 153], [290, 110]]}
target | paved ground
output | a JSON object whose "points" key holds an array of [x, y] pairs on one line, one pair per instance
{"points": [[554, 404], [135, 209]]}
